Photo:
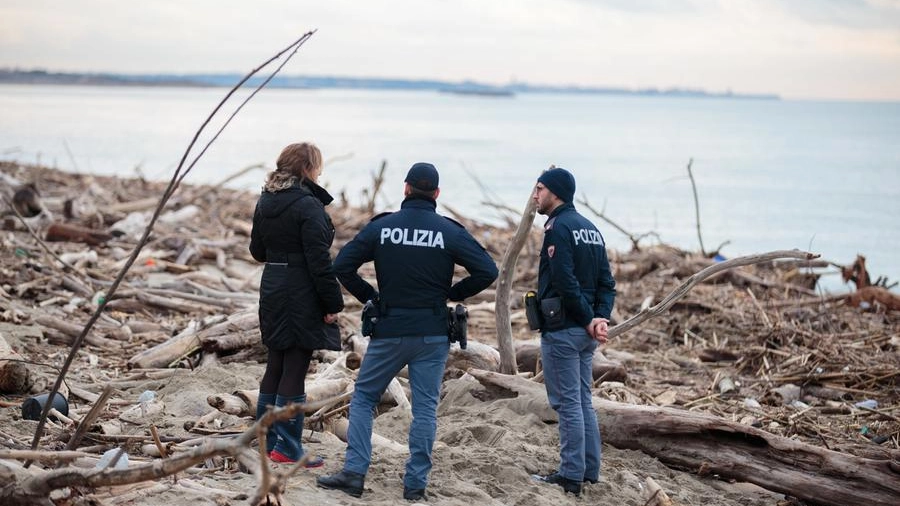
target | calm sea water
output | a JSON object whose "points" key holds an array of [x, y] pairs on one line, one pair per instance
{"points": [[818, 176]]}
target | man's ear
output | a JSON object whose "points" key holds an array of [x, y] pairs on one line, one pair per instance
{"points": [[437, 191], [406, 189]]}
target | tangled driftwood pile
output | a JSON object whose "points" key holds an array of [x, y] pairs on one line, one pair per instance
{"points": [[747, 370]]}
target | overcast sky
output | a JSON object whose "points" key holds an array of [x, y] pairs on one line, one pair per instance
{"points": [[832, 49]]}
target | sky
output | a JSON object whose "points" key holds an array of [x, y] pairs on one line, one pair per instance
{"points": [[798, 49]]}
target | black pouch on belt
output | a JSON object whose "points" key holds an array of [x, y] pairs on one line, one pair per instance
{"points": [[553, 313], [532, 311]]}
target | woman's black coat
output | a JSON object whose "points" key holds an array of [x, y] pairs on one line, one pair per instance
{"points": [[292, 233]]}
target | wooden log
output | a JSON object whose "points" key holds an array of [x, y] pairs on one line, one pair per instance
{"points": [[174, 304], [231, 404], [655, 494], [243, 320], [249, 397], [339, 426], [398, 395], [68, 232], [504, 288], [73, 330], [691, 440], [874, 296], [133, 205], [320, 390], [605, 369], [338, 369], [528, 356], [476, 355], [203, 299], [15, 377], [165, 353], [359, 344], [228, 342]]}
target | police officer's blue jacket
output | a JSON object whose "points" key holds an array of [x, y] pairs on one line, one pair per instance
{"points": [[415, 250], [574, 267]]}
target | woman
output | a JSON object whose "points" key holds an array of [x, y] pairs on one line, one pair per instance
{"points": [[299, 297]]}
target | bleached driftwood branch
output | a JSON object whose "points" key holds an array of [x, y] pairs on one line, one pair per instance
{"points": [[708, 272]]}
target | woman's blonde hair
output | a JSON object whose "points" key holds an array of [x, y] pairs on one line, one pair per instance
{"points": [[296, 163]]}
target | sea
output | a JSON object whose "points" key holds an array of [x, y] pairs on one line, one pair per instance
{"points": [[819, 176]]}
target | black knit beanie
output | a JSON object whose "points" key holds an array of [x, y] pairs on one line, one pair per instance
{"points": [[560, 182]]}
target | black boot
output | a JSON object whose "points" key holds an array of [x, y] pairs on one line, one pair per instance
{"points": [[262, 404], [345, 481], [570, 486], [414, 494]]}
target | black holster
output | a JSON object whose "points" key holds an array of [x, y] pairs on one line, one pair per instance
{"points": [[370, 314], [457, 325]]}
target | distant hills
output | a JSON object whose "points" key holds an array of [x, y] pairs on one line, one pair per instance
{"points": [[18, 76]]}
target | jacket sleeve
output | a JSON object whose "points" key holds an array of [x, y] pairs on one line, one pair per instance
{"points": [[348, 261], [477, 262], [562, 276], [317, 235], [606, 289], [257, 248]]}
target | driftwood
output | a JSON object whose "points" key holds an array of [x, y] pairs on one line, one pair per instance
{"points": [[698, 441], [398, 395], [504, 289], [73, 330], [231, 404], [339, 427], [655, 494], [749, 326], [694, 440], [23, 487], [477, 355], [74, 233], [873, 296], [165, 353], [243, 402], [712, 270], [528, 357]]}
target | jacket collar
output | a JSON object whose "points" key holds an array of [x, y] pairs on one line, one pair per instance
{"points": [[566, 206], [417, 202], [316, 190]]}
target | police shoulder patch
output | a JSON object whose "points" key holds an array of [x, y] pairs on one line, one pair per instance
{"points": [[549, 224], [451, 220], [380, 215]]}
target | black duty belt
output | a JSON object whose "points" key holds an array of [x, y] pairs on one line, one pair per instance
{"points": [[387, 310]]}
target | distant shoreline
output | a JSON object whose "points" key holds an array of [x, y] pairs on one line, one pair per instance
{"points": [[28, 77]]}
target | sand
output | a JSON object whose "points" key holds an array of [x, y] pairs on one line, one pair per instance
{"points": [[486, 449]]}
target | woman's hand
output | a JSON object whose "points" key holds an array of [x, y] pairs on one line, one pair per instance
{"points": [[330, 318]]}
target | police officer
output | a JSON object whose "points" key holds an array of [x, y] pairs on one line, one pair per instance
{"points": [[576, 291], [415, 250]]}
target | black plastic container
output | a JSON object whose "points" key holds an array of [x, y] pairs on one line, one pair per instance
{"points": [[32, 407]]}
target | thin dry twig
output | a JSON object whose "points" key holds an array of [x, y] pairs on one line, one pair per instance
{"points": [[177, 177]]}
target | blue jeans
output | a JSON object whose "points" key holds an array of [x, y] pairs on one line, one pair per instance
{"points": [[566, 356], [385, 357]]}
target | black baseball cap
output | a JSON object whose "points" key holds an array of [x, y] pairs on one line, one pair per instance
{"points": [[422, 176]]}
